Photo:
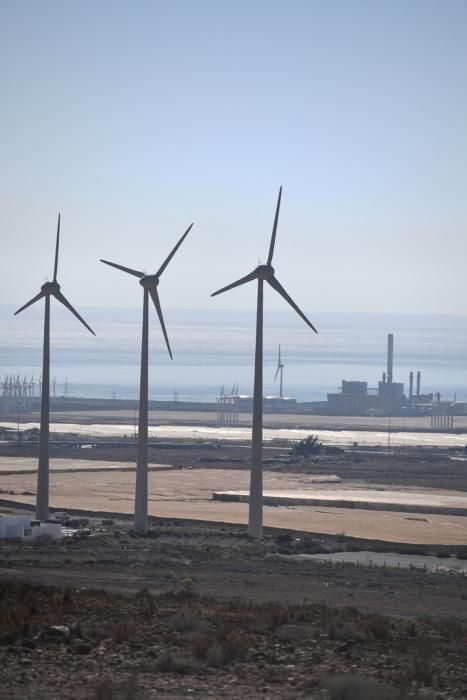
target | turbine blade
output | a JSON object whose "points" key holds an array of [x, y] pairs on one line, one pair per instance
{"points": [[136, 273], [56, 248], [173, 251], [279, 288], [279, 361], [274, 228], [242, 280], [59, 296], [277, 372], [32, 301], [157, 304]]}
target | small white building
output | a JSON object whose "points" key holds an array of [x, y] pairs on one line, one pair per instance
{"points": [[21, 527], [14, 525]]}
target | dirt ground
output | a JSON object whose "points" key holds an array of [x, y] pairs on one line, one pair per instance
{"points": [[193, 610], [222, 561], [187, 493], [198, 609]]}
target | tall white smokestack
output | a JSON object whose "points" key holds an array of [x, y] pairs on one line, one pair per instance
{"points": [[390, 356]]}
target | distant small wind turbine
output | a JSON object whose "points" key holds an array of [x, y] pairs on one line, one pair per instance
{"points": [[263, 273], [280, 368], [149, 284], [47, 290]]}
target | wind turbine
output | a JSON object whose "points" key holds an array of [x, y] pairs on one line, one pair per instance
{"points": [[280, 368], [263, 273], [149, 284], [47, 290]]}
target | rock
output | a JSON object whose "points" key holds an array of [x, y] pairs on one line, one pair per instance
{"points": [[8, 639], [82, 648], [28, 643], [75, 630], [13, 650], [345, 646], [59, 632]]}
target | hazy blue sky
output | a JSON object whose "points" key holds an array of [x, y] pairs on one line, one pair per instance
{"points": [[136, 118]]}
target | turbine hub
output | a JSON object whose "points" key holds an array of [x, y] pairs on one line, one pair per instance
{"points": [[149, 282], [265, 272], [50, 287]]}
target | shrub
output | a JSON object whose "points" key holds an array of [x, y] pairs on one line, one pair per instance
{"points": [[106, 689], [186, 620], [220, 647], [341, 631], [309, 446], [379, 627], [169, 663], [125, 631], [348, 687], [283, 538], [423, 669]]}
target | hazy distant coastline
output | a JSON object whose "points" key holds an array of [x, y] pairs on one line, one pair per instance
{"points": [[214, 348]]}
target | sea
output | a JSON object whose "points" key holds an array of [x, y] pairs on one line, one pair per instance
{"points": [[215, 348]]}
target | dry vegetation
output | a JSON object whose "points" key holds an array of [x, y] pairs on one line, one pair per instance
{"points": [[96, 645], [205, 612]]}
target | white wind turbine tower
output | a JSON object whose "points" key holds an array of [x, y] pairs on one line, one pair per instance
{"points": [[47, 290], [280, 368], [263, 273], [149, 284]]}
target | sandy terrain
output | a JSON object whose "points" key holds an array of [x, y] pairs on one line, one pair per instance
{"points": [[17, 465], [187, 493]]}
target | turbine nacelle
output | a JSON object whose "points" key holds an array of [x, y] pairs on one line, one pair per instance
{"points": [[264, 272], [50, 288], [149, 282]]}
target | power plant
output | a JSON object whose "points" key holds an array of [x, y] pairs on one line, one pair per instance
{"points": [[388, 398]]}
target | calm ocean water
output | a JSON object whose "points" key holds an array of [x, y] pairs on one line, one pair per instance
{"points": [[213, 348]]}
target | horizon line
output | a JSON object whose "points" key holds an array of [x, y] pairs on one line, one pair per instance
{"points": [[217, 310]]}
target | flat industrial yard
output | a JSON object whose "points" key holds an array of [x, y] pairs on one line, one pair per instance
{"points": [[103, 486]]}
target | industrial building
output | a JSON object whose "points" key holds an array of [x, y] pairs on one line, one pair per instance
{"points": [[388, 398], [355, 398]]}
